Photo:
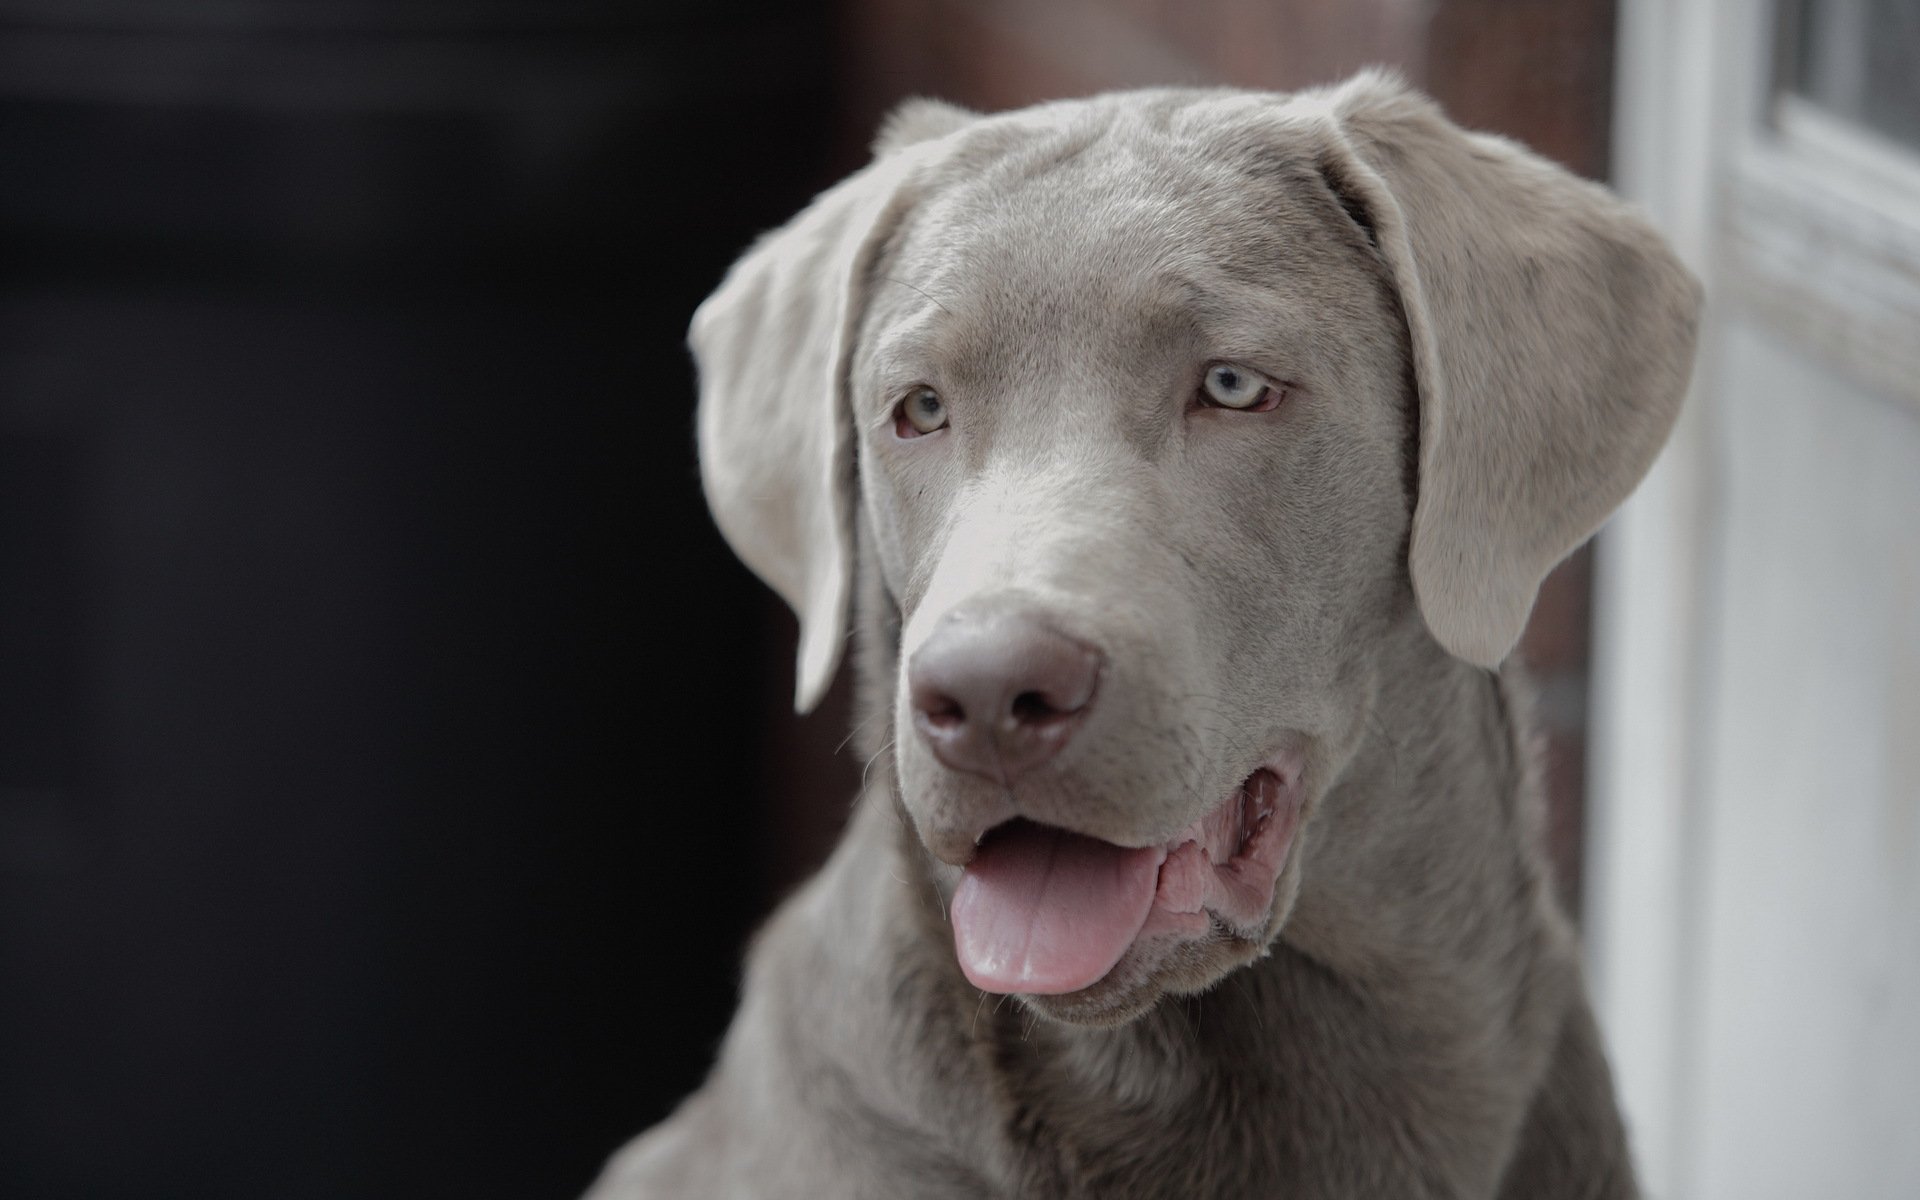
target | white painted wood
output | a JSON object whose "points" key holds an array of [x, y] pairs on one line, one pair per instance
{"points": [[1823, 227], [1809, 967], [1754, 904], [1642, 822]]}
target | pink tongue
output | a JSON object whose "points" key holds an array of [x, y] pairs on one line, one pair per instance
{"points": [[1044, 911]]}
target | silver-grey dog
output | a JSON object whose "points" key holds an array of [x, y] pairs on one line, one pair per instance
{"points": [[1187, 463]]}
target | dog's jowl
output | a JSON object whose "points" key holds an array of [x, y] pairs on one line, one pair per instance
{"points": [[1184, 464]]}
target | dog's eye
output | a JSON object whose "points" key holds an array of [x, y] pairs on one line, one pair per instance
{"points": [[919, 412], [1229, 385]]}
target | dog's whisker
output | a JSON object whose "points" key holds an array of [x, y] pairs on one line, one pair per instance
{"points": [[866, 770], [918, 291], [859, 727]]}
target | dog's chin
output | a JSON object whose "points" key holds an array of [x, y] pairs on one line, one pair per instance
{"points": [[1169, 919]]}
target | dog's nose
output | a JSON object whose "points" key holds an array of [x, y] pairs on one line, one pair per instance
{"points": [[999, 693]]}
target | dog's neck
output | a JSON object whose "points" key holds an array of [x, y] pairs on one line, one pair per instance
{"points": [[1423, 960]]}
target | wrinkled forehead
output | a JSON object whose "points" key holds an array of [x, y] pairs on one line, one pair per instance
{"points": [[1104, 241]]}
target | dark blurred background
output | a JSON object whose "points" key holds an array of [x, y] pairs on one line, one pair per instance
{"points": [[392, 757]]}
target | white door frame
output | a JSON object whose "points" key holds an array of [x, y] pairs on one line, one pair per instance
{"points": [[1796, 223]]}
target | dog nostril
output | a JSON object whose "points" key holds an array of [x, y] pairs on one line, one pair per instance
{"points": [[944, 712], [1031, 708]]}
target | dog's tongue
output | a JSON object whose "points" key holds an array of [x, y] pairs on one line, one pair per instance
{"points": [[1044, 911]]}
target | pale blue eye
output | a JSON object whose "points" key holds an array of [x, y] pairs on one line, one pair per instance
{"points": [[923, 410], [1233, 386]]}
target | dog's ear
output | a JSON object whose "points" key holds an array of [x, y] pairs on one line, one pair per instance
{"points": [[920, 119], [1552, 336], [773, 345]]}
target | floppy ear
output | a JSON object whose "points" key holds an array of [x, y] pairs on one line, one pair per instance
{"points": [[1552, 336], [772, 346]]}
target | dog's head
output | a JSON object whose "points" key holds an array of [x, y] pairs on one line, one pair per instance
{"points": [[1163, 412]]}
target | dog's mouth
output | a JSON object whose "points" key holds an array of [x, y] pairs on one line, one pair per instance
{"points": [[1045, 911]]}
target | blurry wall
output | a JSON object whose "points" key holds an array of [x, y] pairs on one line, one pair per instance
{"points": [[374, 815]]}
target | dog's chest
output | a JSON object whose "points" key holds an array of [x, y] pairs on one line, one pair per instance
{"points": [[1260, 1109]]}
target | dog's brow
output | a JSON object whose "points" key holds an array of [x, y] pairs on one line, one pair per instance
{"points": [[1177, 295], [920, 291]]}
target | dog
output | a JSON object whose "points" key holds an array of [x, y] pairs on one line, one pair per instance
{"points": [[1188, 462]]}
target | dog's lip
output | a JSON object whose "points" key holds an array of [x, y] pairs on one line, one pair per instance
{"points": [[957, 848], [1193, 832], [1239, 893]]}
